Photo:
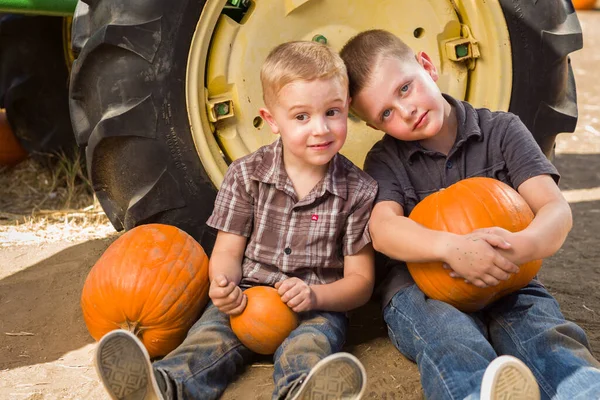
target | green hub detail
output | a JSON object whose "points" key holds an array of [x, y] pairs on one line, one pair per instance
{"points": [[462, 50], [39, 7], [319, 39]]}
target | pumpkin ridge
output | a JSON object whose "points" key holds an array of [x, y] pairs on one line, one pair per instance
{"points": [[473, 198], [154, 303], [176, 318], [506, 200]]}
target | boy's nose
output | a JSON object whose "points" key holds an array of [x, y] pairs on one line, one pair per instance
{"points": [[320, 127], [407, 111]]}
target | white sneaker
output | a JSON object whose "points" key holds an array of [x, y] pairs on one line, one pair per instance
{"points": [[124, 367], [338, 376], [508, 378]]}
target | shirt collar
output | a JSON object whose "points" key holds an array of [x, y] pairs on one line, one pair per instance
{"points": [[467, 126], [270, 170]]}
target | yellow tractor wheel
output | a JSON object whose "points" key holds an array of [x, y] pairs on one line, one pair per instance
{"points": [[164, 95]]}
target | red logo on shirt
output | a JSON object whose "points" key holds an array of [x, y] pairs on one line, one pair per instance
{"points": [[315, 217]]}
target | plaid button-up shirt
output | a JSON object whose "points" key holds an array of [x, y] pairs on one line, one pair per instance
{"points": [[288, 237]]}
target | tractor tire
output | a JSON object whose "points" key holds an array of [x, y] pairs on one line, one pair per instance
{"points": [[128, 102], [542, 34], [128, 109], [34, 80]]}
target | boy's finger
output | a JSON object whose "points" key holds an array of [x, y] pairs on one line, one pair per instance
{"points": [[497, 241], [506, 265], [240, 307], [220, 280], [284, 287]]}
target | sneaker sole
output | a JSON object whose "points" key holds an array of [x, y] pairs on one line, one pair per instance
{"points": [[343, 377], [514, 381], [124, 366]]}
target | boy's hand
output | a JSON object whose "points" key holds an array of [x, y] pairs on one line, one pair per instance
{"points": [[296, 294], [474, 258], [227, 296]]}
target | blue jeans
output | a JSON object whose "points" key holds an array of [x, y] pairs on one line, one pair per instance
{"points": [[452, 349], [211, 355]]}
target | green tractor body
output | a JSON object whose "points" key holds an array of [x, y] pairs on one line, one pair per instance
{"points": [[62, 8]]}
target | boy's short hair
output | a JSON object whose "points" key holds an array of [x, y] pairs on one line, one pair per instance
{"points": [[363, 51], [299, 60]]}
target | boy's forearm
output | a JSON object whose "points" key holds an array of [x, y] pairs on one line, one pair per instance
{"points": [[401, 238], [544, 236], [343, 295], [222, 263]]}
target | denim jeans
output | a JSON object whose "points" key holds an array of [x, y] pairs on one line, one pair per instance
{"points": [[211, 355], [452, 349]]}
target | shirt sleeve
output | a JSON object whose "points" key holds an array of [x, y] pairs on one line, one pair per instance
{"points": [[234, 206], [356, 230], [524, 158], [379, 164]]}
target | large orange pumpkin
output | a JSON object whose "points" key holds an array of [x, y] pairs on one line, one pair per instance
{"points": [[461, 208], [11, 151], [152, 281], [265, 322]]}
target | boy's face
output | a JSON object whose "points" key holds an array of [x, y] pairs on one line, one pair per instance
{"points": [[311, 117], [402, 99]]}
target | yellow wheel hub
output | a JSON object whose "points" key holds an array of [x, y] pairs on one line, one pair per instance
{"points": [[223, 85]]}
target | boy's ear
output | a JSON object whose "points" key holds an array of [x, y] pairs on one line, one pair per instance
{"points": [[425, 61], [266, 115]]}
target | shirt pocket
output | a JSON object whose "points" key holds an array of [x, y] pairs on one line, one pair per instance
{"points": [[497, 171], [321, 238]]}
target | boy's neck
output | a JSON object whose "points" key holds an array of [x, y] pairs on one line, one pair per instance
{"points": [[304, 178], [444, 140]]}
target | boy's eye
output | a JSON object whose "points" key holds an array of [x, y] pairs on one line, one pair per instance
{"points": [[386, 114], [301, 117], [404, 88], [332, 113]]}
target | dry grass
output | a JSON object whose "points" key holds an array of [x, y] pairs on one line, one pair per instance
{"points": [[39, 203]]}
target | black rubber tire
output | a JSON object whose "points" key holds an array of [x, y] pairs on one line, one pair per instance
{"points": [[34, 81], [128, 107], [128, 102], [542, 34]]}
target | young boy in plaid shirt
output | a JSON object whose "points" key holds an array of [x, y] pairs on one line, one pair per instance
{"points": [[292, 215]]}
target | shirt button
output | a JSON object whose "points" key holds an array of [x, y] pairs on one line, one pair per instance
{"points": [[449, 165], [287, 251]]}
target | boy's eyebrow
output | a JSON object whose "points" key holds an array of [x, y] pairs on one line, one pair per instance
{"points": [[295, 106]]}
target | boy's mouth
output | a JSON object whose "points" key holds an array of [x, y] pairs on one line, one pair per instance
{"points": [[420, 120], [320, 146]]}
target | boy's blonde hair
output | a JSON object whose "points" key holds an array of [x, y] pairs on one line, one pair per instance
{"points": [[299, 60], [365, 50]]}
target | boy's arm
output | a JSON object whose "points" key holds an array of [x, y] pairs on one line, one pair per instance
{"points": [[549, 228], [227, 255], [225, 272], [345, 294], [354, 289], [473, 256]]}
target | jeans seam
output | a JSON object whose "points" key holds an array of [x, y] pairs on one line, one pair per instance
{"points": [[397, 310], [524, 355], [447, 389], [193, 376]]}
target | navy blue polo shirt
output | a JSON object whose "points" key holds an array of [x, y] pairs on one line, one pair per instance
{"points": [[489, 144]]}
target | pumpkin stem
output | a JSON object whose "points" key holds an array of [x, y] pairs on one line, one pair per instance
{"points": [[131, 326]]}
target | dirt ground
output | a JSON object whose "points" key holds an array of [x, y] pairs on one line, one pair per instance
{"points": [[46, 351]]}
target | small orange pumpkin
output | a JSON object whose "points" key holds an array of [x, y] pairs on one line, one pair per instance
{"points": [[265, 322], [461, 208], [152, 281], [584, 4], [11, 151]]}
